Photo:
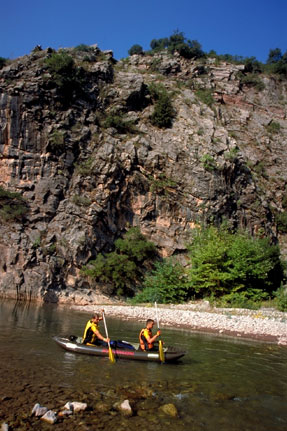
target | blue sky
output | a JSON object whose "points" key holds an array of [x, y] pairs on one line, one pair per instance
{"points": [[243, 27]]}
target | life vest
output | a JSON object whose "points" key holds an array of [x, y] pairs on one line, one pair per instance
{"points": [[89, 334], [144, 344]]}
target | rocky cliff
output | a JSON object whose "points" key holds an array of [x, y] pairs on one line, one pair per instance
{"points": [[87, 163]]}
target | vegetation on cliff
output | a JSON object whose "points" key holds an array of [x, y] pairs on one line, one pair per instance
{"points": [[13, 206], [123, 268], [191, 49]]}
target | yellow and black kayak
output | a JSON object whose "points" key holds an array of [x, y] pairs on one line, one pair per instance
{"points": [[170, 353]]}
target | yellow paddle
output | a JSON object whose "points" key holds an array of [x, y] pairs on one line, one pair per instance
{"points": [[160, 345], [111, 355]]}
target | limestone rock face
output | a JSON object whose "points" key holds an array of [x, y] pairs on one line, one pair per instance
{"points": [[83, 183]]}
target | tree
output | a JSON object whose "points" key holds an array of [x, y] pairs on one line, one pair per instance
{"points": [[159, 44], [136, 49], [122, 268], [3, 62], [164, 112], [274, 56], [166, 283], [177, 42], [252, 65], [64, 74], [222, 262]]}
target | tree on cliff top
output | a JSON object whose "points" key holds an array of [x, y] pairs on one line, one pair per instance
{"points": [[64, 74], [136, 49], [177, 42]]}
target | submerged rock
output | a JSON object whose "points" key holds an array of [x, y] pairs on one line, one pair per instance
{"points": [[102, 407], [75, 406], [65, 412], [124, 408], [169, 410], [50, 417]]}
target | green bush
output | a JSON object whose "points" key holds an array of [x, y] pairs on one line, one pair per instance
{"points": [[274, 56], [135, 49], [224, 263], [115, 269], [122, 268], [83, 48], [56, 143], [164, 112], [65, 76], [273, 127], [205, 95], [167, 283], [252, 80], [250, 298], [281, 298], [3, 62], [118, 122], [135, 245], [13, 206], [85, 167], [281, 222], [161, 184], [208, 162], [177, 42]]}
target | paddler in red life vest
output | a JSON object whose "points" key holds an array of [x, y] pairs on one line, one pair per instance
{"points": [[92, 334], [147, 339]]}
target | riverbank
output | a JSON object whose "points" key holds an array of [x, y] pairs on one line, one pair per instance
{"points": [[266, 324]]}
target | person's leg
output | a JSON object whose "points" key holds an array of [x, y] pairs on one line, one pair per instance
{"points": [[101, 343]]}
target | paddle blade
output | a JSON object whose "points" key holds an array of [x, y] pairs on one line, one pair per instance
{"points": [[111, 356], [161, 352]]}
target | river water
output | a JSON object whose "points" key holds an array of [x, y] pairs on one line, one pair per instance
{"points": [[221, 383]]}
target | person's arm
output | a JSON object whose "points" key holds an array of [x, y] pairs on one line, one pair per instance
{"points": [[99, 336], [152, 339]]}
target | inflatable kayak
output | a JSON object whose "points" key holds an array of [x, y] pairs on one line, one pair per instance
{"points": [[170, 353]]}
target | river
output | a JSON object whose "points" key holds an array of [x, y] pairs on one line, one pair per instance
{"points": [[221, 383]]}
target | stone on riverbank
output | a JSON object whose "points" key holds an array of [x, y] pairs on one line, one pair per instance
{"points": [[50, 417], [169, 410], [39, 410]]}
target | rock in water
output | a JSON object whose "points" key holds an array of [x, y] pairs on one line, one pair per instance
{"points": [[75, 406], [169, 409], [124, 407], [38, 410], [65, 412], [49, 417]]}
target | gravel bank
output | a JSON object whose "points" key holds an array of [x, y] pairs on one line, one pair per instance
{"points": [[265, 324]]}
